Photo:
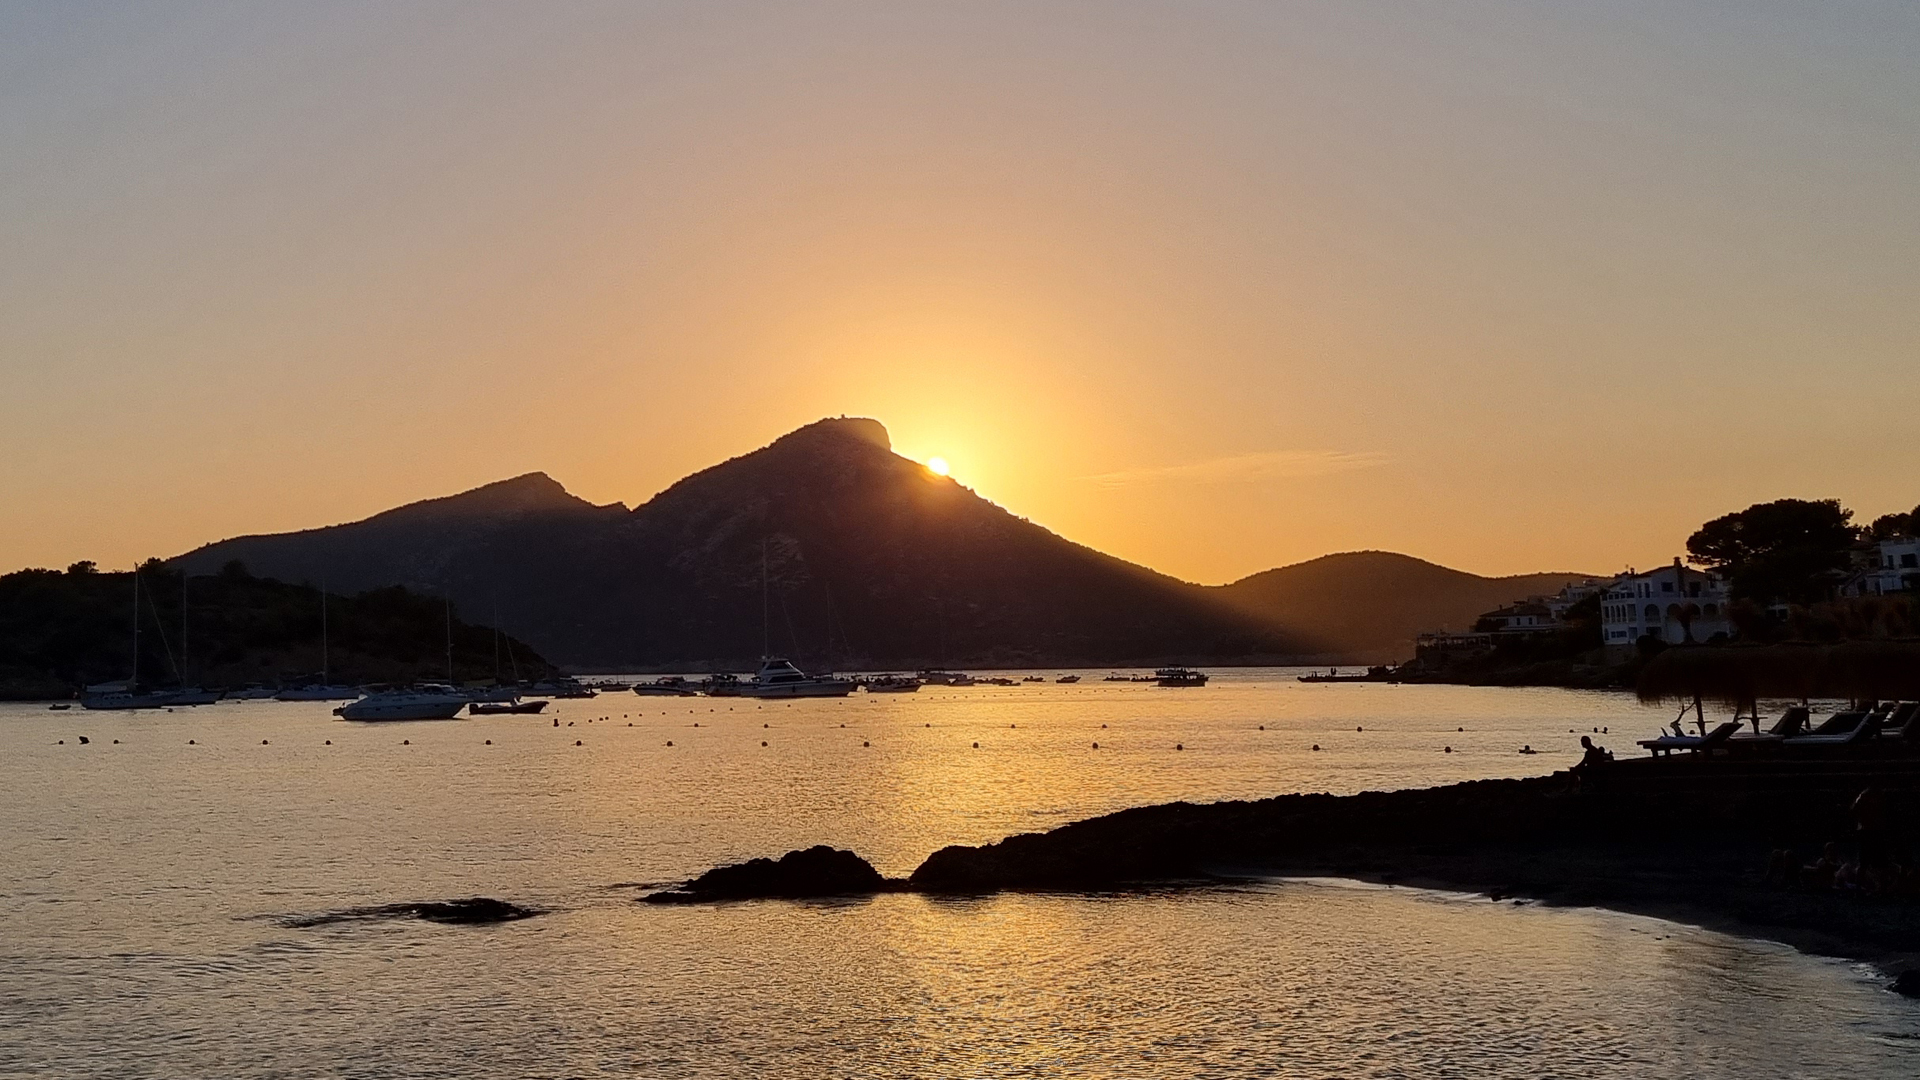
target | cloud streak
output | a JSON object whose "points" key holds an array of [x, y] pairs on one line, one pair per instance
{"points": [[1247, 468]]}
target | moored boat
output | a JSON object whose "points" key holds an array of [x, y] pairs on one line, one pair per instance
{"points": [[318, 692], [414, 704], [667, 686], [1179, 676], [779, 678], [892, 684], [506, 708], [1068, 679]]}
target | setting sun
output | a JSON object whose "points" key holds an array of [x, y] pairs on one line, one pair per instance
{"points": [[937, 466]]}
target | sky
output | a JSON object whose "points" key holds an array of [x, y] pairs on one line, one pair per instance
{"points": [[1211, 286]]}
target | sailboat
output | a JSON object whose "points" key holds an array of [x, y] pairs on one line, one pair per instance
{"points": [[188, 695], [324, 690], [126, 695], [778, 678]]}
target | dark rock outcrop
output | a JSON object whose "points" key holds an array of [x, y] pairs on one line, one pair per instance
{"points": [[817, 871], [469, 912]]}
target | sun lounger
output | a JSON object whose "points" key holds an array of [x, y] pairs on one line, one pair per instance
{"points": [[1711, 741], [1861, 727], [1791, 723], [1903, 723]]}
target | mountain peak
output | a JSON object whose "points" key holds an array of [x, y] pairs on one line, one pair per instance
{"points": [[859, 429], [534, 491]]}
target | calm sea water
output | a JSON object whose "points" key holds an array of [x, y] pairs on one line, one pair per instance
{"points": [[144, 888]]}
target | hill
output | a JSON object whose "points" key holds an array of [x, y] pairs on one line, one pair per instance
{"points": [[1369, 605], [867, 559], [63, 630]]}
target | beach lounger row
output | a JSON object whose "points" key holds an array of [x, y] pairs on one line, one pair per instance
{"points": [[1891, 724]]}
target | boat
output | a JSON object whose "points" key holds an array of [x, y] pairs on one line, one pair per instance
{"points": [[669, 686], [1034, 678], [493, 695], [425, 703], [1377, 673], [318, 692], [722, 685], [892, 684], [59, 706], [778, 678], [192, 695], [562, 688], [1179, 676], [251, 692], [1068, 679], [946, 678], [506, 708], [124, 699]]}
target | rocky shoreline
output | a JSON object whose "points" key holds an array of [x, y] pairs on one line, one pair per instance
{"points": [[1715, 844]]}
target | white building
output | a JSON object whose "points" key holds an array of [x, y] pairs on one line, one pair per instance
{"points": [[1674, 604], [1893, 566]]}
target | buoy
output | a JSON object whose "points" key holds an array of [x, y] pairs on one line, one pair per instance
{"points": [[1103, 725], [263, 742], [576, 742], [766, 725], [763, 742], [556, 721], [1177, 746], [929, 725], [1096, 746], [1448, 750], [1013, 725], [629, 723], [83, 740], [116, 742], [843, 725], [669, 742], [62, 742], [406, 742], [1459, 729], [1357, 727], [1263, 727], [489, 742], [1316, 746], [189, 742], [866, 744], [696, 723], [569, 723], [329, 742], [976, 746]]}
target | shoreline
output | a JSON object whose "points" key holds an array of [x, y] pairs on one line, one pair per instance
{"points": [[1695, 843]]}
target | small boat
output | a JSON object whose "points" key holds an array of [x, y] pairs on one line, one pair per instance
{"points": [[1179, 676], [506, 708], [59, 706], [1379, 673], [892, 684], [670, 686], [251, 692], [121, 700], [1034, 678], [192, 695], [780, 679], [946, 678], [421, 704], [563, 688], [722, 685], [1068, 679]]}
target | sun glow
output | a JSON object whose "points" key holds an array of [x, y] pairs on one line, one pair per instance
{"points": [[937, 466]]}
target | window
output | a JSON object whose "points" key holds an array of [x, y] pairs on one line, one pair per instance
{"points": [[1653, 613], [1666, 586], [1909, 561]]}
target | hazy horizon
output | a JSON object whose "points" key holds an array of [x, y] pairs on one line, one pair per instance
{"points": [[1216, 288]]}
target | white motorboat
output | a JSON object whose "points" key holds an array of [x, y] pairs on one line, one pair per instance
{"points": [[779, 678], [318, 692], [426, 704]]}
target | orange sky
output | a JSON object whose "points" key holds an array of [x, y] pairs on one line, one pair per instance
{"points": [[1214, 287]]}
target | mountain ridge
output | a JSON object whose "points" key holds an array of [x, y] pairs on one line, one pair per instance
{"points": [[866, 557]]}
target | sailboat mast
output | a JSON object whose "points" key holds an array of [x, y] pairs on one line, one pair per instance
{"points": [[183, 629], [449, 603], [324, 679], [766, 613], [135, 680]]}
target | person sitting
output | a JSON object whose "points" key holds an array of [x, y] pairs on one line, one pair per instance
{"points": [[1593, 757]]}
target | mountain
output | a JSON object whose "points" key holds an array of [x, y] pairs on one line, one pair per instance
{"points": [[866, 558], [60, 631], [1369, 605]]}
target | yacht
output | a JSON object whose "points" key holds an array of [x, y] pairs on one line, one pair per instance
{"points": [[722, 685], [1179, 676], [425, 703], [779, 678], [116, 696]]}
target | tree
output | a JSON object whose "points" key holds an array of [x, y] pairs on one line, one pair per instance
{"points": [[1787, 549], [1887, 526]]}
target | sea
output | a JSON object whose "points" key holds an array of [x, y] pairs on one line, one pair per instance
{"points": [[169, 892]]}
